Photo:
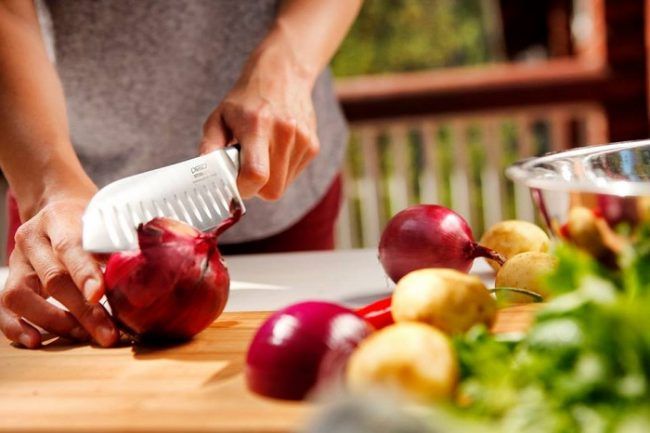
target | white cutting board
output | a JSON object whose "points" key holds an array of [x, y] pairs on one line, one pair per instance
{"points": [[264, 282]]}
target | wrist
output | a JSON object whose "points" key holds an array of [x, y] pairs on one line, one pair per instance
{"points": [[278, 55], [58, 181]]}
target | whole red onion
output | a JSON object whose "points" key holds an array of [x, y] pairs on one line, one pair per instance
{"points": [[173, 287], [616, 210], [429, 236], [301, 348]]}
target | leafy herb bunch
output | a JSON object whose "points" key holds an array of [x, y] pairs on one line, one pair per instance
{"points": [[583, 366]]}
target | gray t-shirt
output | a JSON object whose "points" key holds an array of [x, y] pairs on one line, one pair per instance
{"points": [[141, 77]]}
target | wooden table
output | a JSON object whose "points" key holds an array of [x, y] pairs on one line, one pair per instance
{"points": [[195, 387]]}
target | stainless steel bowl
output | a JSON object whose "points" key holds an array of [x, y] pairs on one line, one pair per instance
{"points": [[612, 182]]}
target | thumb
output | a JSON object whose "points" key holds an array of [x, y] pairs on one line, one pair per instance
{"points": [[216, 135]]}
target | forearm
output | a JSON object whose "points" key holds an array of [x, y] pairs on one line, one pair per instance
{"points": [[306, 34], [270, 111], [35, 151]]}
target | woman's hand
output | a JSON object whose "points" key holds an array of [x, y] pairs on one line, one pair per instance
{"points": [[269, 112], [38, 160], [48, 260]]}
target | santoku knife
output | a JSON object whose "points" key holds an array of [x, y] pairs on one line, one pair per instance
{"points": [[201, 192]]}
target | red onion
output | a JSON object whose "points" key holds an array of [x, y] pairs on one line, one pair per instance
{"points": [[616, 210], [429, 236], [302, 348], [174, 286]]}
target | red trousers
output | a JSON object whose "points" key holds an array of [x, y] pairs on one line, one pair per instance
{"points": [[315, 231]]}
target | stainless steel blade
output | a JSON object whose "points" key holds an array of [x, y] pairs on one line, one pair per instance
{"points": [[199, 191]]}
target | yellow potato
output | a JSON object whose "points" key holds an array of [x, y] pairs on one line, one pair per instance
{"points": [[584, 232], [526, 271], [445, 298], [643, 208], [411, 357], [592, 233], [513, 237]]}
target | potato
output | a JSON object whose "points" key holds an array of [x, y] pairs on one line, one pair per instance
{"points": [[643, 208], [445, 298], [584, 232], [593, 234], [412, 357], [525, 271], [513, 237]]}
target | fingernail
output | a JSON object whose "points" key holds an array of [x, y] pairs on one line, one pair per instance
{"points": [[79, 333], [25, 340], [91, 287], [106, 336]]}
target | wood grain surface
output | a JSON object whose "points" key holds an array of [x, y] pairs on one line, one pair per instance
{"points": [[194, 387]]}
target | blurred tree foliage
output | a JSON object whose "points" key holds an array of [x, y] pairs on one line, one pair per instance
{"points": [[409, 35]]}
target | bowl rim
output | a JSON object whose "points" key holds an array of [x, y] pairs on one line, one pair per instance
{"points": [[520, 172]]}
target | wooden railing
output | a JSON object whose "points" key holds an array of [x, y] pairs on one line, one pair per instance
{"points": [[456, 160], [478, 89], [446, 137]]}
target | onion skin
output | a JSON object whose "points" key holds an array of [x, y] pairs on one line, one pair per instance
{"points": [[429, 236], [173, 287], [302, 348]]}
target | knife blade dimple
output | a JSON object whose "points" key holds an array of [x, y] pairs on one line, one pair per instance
{"points": [[110, 224], [138, 208], [185, 215], [216, 198], [147, 214], [221, 199], [134, 218], [171, 211], [194, 207], [159, 209], [186, 200], [202, 204], [210, 198], [231, 190], [124, 228]]}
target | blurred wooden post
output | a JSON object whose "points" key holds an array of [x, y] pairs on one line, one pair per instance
{"points": [[346, 235], [492, 173], [626, 56], [529, 26], [460, 181], [398, 180], [372, 209], [430, 179]]}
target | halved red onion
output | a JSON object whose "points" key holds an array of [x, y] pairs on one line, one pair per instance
{"points": [[302, 348]]}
